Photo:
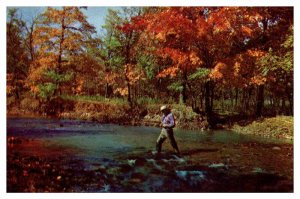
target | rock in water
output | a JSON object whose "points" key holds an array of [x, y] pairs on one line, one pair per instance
{"points": [[276, 148], [220, 165], [155, 164], [178, 159], [106, 188], [131, 162], [258, 170], [192, 177]]}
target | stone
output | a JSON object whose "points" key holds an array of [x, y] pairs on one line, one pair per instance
{"points": [[276, 148], [192, 177], [257, 170], [219, 165]]}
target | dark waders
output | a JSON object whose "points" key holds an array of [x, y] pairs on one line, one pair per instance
{"points": [[166, 133]]}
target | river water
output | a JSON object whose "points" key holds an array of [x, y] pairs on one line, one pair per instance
{"points": [[105, 147]]}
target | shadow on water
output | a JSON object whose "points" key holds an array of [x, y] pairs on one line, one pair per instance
{"points": [[78, 156]]}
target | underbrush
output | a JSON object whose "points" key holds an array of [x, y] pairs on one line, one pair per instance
{"points": [[278, 127]]}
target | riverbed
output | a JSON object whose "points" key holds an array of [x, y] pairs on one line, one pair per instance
{"points": [[50, 155]]}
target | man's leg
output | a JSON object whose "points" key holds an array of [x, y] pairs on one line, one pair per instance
{"points": [[159, 144], [161, 138], [173, 141]]}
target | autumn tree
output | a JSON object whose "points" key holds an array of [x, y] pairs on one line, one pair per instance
{"points": [[111, 51], [119, 49], [210, 38], [60, 39], [269, 25], [277, 68], [17, 59]]}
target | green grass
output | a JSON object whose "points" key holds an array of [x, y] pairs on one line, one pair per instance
{"points": [[148, 100], [95, 99]]}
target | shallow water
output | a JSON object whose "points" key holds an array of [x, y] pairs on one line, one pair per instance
{"points": [[90, 145], [91, 139]]}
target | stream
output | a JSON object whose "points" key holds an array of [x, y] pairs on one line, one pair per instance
{"points": [[51, 155]]}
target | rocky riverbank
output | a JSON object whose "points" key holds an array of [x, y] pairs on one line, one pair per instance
{"points": [[215, 167]]}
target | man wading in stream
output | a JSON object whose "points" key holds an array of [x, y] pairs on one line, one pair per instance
{"points": [[167, 124]]}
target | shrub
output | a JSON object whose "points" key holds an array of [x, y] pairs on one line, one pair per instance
{"points": [[30, 104], [10, 102], [279, 127]]}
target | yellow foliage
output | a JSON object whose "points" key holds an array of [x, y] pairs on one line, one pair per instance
{"points": [[237, 68], [258, 80], [217, 72], [161, 37], [133, 74], [248, 31], [121, 91], [195, 60], [172, 71], [256, 53], [34, 89]]}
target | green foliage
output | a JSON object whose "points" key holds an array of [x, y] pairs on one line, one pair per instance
{"points": [[147, 62], [201, 73], [176, 86], [148, 100], [268, 63], [95, 99], [280, 60], [289, 42], [47, 90], [56, 77], [113, 43]]}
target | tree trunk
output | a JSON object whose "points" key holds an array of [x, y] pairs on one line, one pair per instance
{"points": [[236, 96], [184, 87], [183, 92], [59, 61], [289, 95], [212, 96], [291, 106], [129, 93], [211, 119], [208, 108], [283, 105], [260, 100]]}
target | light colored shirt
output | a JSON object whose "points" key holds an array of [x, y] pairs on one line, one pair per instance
{"points": [[168, 121]]}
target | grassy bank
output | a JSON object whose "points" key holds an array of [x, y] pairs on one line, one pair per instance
{"points": [[148, 114], [145, 111], [276, 127]]}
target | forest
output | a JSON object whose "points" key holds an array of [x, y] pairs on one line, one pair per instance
{"points": [[84, 102], [217, 60]]}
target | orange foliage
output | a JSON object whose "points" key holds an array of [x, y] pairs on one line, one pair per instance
{"points": [[190, 35], [133, 74], [59, 40], [256, 53], [121, 91]]}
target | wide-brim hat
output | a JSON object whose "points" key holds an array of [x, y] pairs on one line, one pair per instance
{"points": [[163, 108]]}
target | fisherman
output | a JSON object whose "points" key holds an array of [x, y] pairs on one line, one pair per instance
{"points": [[167, 124]]}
